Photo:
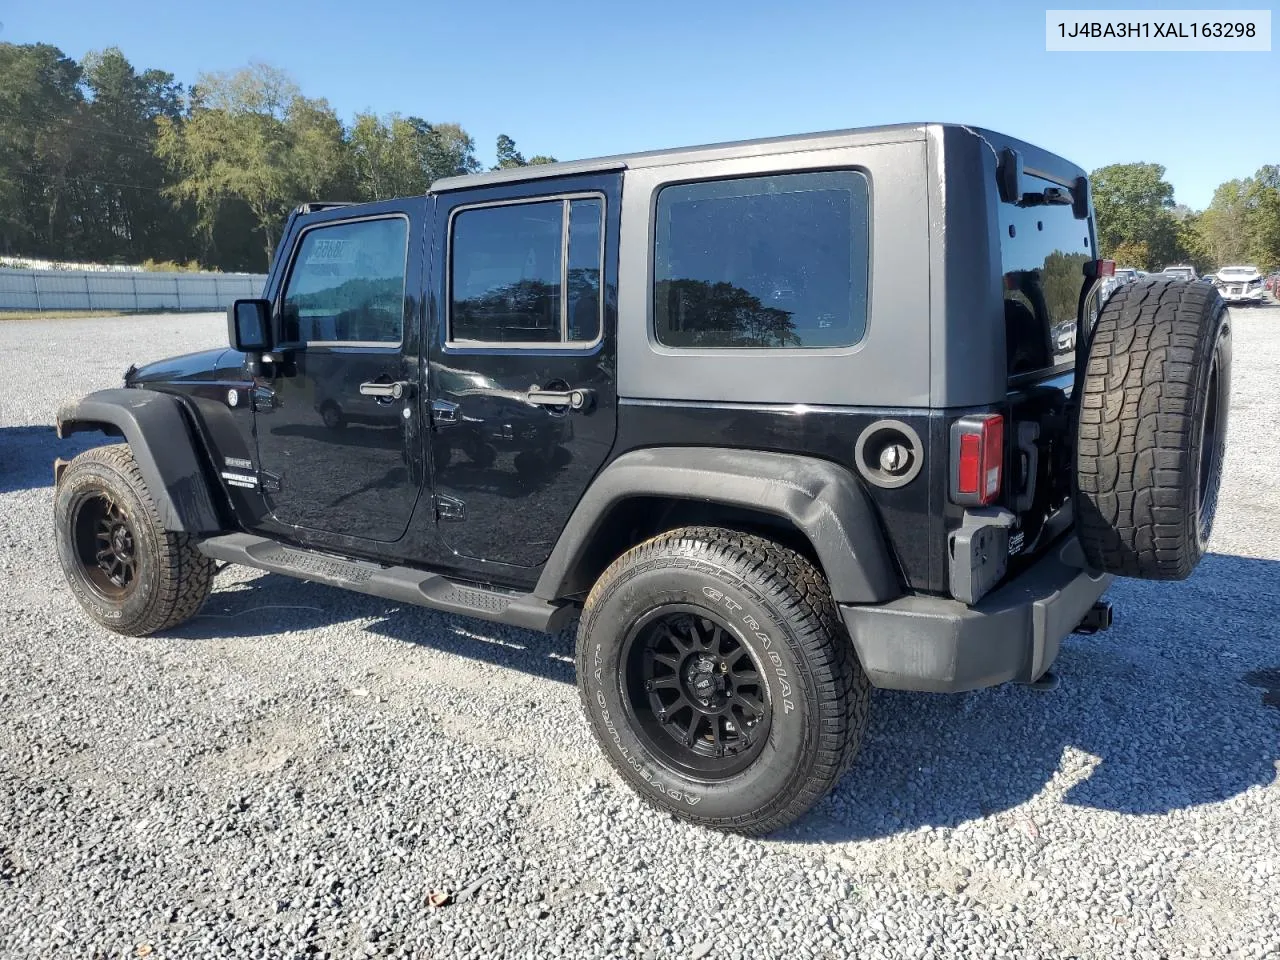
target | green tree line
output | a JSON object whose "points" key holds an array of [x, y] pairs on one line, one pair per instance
{"points": [[1140, 225], [101, 161]]}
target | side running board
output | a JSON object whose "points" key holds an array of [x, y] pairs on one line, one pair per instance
{"points": [[403, 584]]}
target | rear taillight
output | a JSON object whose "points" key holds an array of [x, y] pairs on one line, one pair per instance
{"points": [[977, 458], [1096, 269]]}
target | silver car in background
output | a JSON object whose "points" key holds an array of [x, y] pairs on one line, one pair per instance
{"points": [[1181, 271]]}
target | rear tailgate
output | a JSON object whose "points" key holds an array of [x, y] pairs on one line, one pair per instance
{"points": [[1044, 248]]}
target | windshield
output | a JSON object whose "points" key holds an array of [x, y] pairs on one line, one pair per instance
{"points": [[1043, 249]]}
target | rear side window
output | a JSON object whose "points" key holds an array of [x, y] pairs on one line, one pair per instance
{"points": [[762, 262], [527, 273], [347, 283], [1043, 249]]}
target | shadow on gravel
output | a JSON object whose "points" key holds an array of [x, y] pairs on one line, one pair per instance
{"points": [[272, 603], [1171, 709], [27, 455]]}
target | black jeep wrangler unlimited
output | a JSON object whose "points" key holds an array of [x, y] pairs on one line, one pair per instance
{"points": [[784, 420]]}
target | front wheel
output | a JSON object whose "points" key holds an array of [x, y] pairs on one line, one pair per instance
{"points": [[128, 572], [719, 680]]}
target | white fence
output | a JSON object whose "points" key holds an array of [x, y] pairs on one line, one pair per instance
{"points": [[138, 290]]}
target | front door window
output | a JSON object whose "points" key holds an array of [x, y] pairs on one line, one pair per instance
{"points": [[347, 284]]}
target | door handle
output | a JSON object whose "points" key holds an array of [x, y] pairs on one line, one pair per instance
{"points": [[573, 399], [393, 390]]}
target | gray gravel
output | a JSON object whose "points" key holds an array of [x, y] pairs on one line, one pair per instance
{"points": [[294, 773]]}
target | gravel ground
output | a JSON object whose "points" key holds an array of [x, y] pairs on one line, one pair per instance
{"points": [[294, 773]]}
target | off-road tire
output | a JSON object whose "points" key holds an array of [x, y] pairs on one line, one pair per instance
{"points": [[781, 609], [1151, 433], [173, 578]]}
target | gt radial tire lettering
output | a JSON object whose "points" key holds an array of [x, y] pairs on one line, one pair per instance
{"points": [[734, 608]]}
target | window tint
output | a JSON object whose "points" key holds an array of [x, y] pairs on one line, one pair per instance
{"points": [[778, 261], [511, 281], [1043, 248], [347, 283]]}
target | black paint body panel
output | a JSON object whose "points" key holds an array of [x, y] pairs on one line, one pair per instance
{"points": [[912, 518], [518, 469], [824, 501]]}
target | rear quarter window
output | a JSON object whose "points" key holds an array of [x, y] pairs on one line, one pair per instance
{"points": [[762, 262]]}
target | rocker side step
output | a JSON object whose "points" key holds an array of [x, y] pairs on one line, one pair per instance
{"points": [[403, 584]]}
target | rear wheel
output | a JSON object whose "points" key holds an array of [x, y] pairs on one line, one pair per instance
{"points": [[128, 572], [719, 679], [1152, 429]]}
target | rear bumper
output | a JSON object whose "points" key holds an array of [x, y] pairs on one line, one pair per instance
{"points": [[944, 646]]}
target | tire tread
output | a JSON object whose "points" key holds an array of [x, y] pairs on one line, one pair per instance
{"points": [[185, 575], [1136, 475], [801, 594]]}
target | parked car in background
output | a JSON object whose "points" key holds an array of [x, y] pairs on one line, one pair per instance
{"points": [[1064, 336], [1209, 278], [1240, 284], [1180, 271], [1126, 274]]}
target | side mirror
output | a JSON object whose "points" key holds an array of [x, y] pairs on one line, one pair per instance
{"points": [[249, 326]]}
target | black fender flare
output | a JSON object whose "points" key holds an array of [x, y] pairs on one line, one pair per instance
{"points": [[156, 430], [824, 501]]}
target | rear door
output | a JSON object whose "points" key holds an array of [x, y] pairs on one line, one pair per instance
{"points": [[1043, 249], [521, 360], [335, 410]]}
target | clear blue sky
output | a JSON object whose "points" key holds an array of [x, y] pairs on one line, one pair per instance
{"points": [[578, 79]]}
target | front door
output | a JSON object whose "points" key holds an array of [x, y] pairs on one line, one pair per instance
{"points": [[336, 416], [521, 372]]}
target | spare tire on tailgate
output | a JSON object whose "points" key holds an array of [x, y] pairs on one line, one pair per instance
{"points": [[1151, 432]]}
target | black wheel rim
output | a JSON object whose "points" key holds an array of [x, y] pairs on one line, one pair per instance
{"points": [[1210, 451], [106, 547], [694, 692]]}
